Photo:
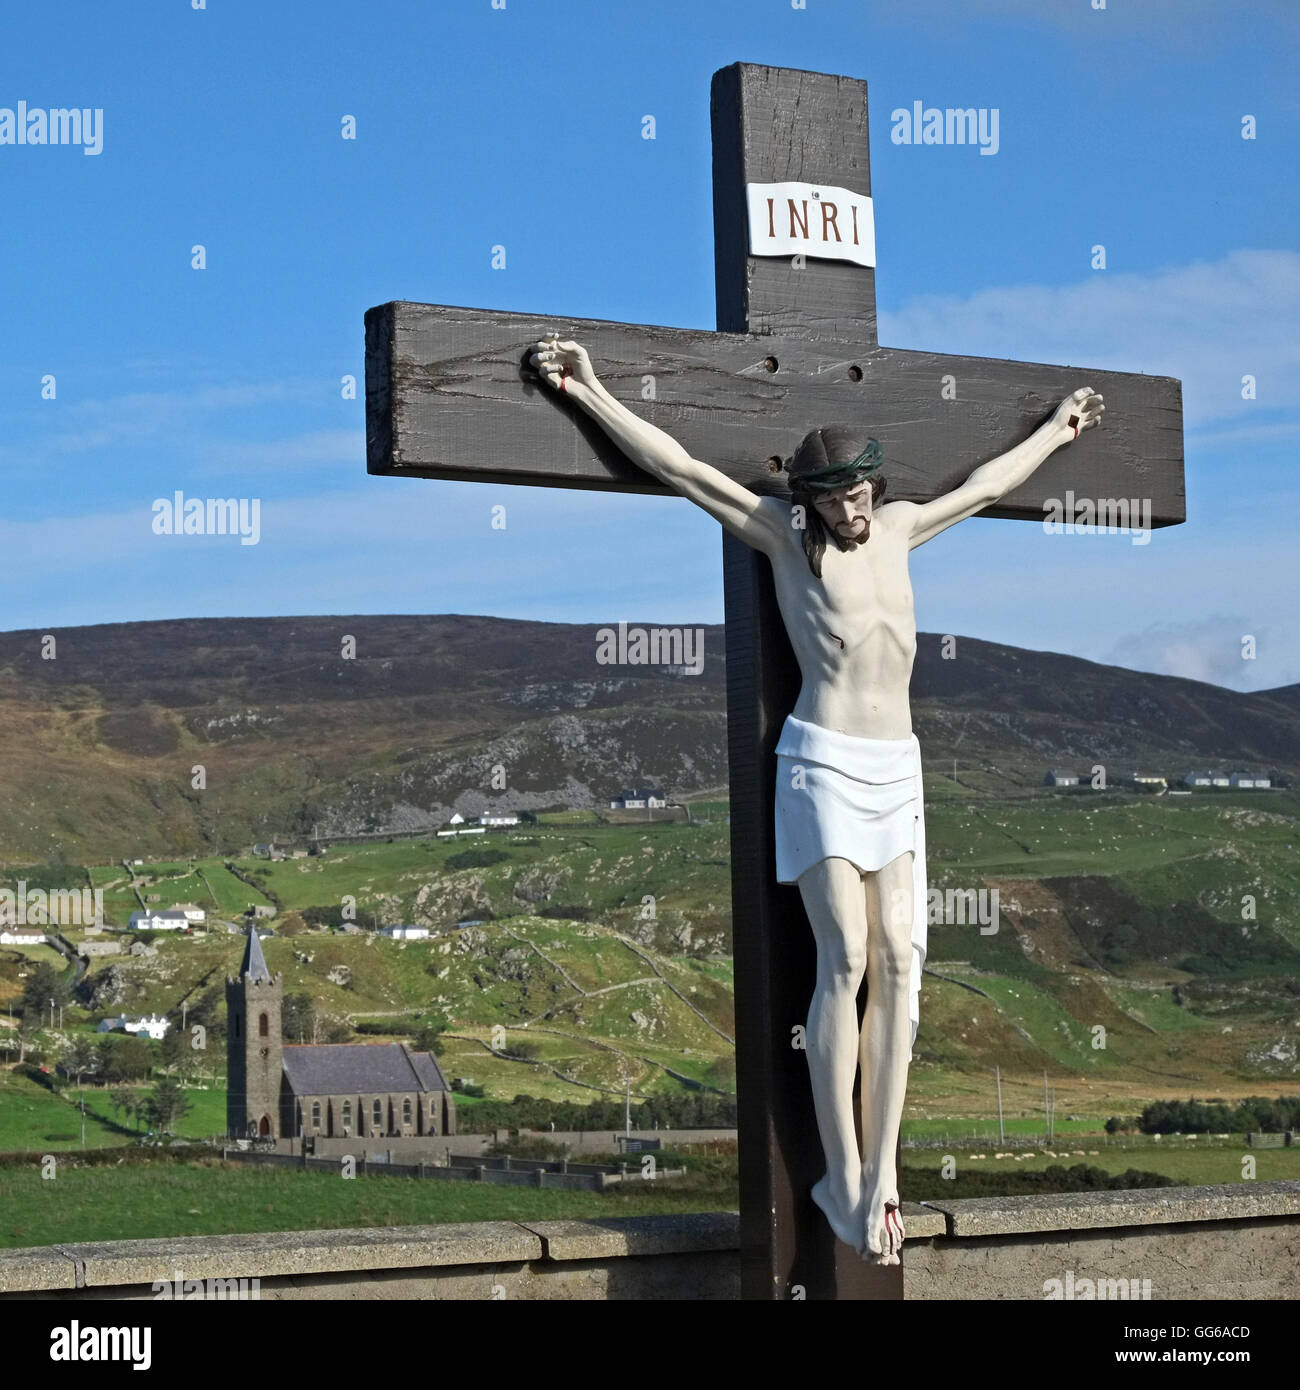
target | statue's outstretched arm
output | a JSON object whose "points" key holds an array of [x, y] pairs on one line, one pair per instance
{"points": [[1080, 410], [757, 521]]}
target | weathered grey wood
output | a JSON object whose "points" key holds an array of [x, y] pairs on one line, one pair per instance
{"points": [[449, 396]]}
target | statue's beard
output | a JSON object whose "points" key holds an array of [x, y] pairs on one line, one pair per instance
{"points": [[848, 537]]}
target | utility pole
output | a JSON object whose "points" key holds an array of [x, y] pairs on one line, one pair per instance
{"points": [[1047, 1110], [997, 1071]]}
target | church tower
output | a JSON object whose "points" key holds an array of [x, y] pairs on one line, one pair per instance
{"points": [[254, 1053]]}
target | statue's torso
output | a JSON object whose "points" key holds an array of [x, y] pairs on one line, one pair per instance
{"points": [[853, 631]]}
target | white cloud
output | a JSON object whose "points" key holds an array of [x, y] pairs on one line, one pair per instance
{"points": [[1208, 324]]}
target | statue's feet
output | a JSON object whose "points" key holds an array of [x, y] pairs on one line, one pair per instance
{"points": [[882, 1242], [844, 1215]]}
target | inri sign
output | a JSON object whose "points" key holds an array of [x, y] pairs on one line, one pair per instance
{"points": [[786, 219]]}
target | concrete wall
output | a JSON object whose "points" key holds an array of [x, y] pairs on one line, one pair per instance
{"points": [[1240, 1241]]}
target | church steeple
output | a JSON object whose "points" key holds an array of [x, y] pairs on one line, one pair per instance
{"points": [[254, 966], [254, 1050]]}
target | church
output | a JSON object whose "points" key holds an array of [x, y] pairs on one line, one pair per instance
{"points": [[301, 1094]]}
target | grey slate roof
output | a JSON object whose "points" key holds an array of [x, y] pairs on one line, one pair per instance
{"points": [[254, 965], [341, 1069]]}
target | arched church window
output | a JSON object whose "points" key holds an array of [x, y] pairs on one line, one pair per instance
{"points": [[378, 1111], [315, 1114], [347, 1114], [263, 1026], [406, 1111]]}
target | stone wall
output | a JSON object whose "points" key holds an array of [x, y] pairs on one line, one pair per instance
{"points": [[1240, 1241]]}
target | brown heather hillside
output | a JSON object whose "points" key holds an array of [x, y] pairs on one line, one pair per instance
{"points": [[98, 745]]}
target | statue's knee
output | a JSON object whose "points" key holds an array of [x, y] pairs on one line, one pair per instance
{"points": [[893, 964], [845, 966]]}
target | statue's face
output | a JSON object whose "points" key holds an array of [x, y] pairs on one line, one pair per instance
{"points": [[847, 512]]}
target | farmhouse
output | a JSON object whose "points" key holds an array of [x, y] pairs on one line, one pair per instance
{"points": [[1248, 779], [21, 938], [405, 933], [306, 1092], [498, 818], [637, 799], [161, 919], [155, 1026], [1061, 779]]}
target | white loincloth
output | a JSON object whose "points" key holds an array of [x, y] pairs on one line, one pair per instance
{"points": [[860, 799]]}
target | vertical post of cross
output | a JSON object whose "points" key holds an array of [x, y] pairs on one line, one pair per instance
{"points": [[773, 125]]}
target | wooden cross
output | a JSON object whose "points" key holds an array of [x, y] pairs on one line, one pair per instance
{"points": [[449, 394]]}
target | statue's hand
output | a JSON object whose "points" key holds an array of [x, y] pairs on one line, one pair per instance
{"points": [[563, 366], [1080, 410]]}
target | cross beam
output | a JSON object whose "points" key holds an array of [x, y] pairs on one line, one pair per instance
{"points": [[448, 395]]}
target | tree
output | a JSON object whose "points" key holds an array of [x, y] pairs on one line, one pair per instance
{"points": [[43, 984], [167, 1104], [82, 1058], [298, 1021], [177, 1054], [429, 1037], [125, 1058]]}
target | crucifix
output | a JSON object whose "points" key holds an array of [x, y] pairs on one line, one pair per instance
{"points": [[470, 394]]}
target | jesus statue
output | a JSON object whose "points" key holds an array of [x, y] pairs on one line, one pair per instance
{"points": [[850, 826]]}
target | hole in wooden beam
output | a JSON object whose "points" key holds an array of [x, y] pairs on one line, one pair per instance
{"points": [[855, 373], [770, 364]]}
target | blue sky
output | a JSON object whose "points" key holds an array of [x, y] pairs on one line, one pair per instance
{"points": [[522, 127]]}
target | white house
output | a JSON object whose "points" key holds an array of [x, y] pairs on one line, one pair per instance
{"points": [[1248, 779], [21, 938], [192, 914], [161, 919], [456, 819], [405, 933], [498, 818], [1062, 779], [637, 799], [1196, 779], [155, 1026]]}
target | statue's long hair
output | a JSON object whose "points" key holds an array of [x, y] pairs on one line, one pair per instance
{"points": [[820, 449]]}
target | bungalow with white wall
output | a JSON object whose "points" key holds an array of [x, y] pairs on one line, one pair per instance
{"points": [[160, 919], [405, 933], [155, 1026], [21, 938], [638, 799]]}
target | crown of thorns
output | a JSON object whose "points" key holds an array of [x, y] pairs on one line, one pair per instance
{"points": [[837, 475]]}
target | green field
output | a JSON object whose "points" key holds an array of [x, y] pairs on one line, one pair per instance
{"points": [[171, 1198], [34, 1119]]}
